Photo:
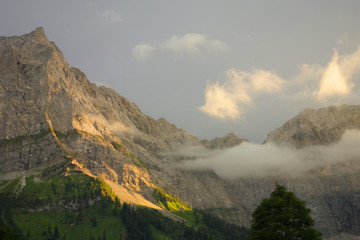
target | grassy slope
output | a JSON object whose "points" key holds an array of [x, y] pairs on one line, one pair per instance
{"points": [[38, 222], [176, 206], [198, 219], [81, 207], [30, 207]]}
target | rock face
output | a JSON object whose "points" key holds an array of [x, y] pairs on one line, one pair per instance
{"points": [[228, 141], [50, 113], [317, 127]]}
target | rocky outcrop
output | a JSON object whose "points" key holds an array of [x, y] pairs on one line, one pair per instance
{"points": [[317, 127], [228, 141]]}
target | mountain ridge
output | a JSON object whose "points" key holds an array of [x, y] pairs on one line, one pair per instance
{"points": [[51, 114], [322, 126]]}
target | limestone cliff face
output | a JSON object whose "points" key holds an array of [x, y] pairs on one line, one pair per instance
{"points": [[317, 127], [51, 113], [25, 98]]}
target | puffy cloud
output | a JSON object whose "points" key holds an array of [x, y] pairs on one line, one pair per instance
{"points": [[249, 159], [333, 82], [221, 102], [264, 81], [326, 84], [330, 84], [309, 73], [189, 43], [336, 80], [143, 51], [235, 95], [112, 17]]}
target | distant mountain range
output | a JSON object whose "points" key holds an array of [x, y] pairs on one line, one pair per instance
{"points": [[55, 124]]}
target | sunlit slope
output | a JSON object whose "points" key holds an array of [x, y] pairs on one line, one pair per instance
{"points": [[64, 203]]}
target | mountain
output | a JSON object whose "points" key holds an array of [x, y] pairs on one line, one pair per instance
{"points": [[332, 190], [53, 121], [317, 127], [228, 141], [50, 113], [67, 144]]}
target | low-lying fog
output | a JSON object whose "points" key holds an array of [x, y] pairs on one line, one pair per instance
{"points": [[249, 159]]}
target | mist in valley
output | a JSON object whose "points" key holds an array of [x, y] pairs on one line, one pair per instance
{"points": [[261, 160]]}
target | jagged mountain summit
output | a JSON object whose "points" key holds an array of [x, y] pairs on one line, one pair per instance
{"points": [[317, 127], [50, 114]]}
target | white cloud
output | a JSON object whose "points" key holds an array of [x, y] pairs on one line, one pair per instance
{"points": [[333, 81], [221, 102], [143, 51], [192, 43], [112, 17], [248, 159], [189, 43], [309, 73], [114, 125], [336, 79], [264, 81], [316, 85], [232, 98]]}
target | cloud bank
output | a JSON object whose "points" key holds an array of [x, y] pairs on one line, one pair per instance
{"points": [[232, 98], [190, 44], [254, 160]]}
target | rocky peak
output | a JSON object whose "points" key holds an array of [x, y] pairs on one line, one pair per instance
{"points": [[40, 92], [37, 35], [317, 127], [228, 141]]}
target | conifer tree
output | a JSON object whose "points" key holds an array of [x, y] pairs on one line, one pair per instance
{"points": [[282, 216]]}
